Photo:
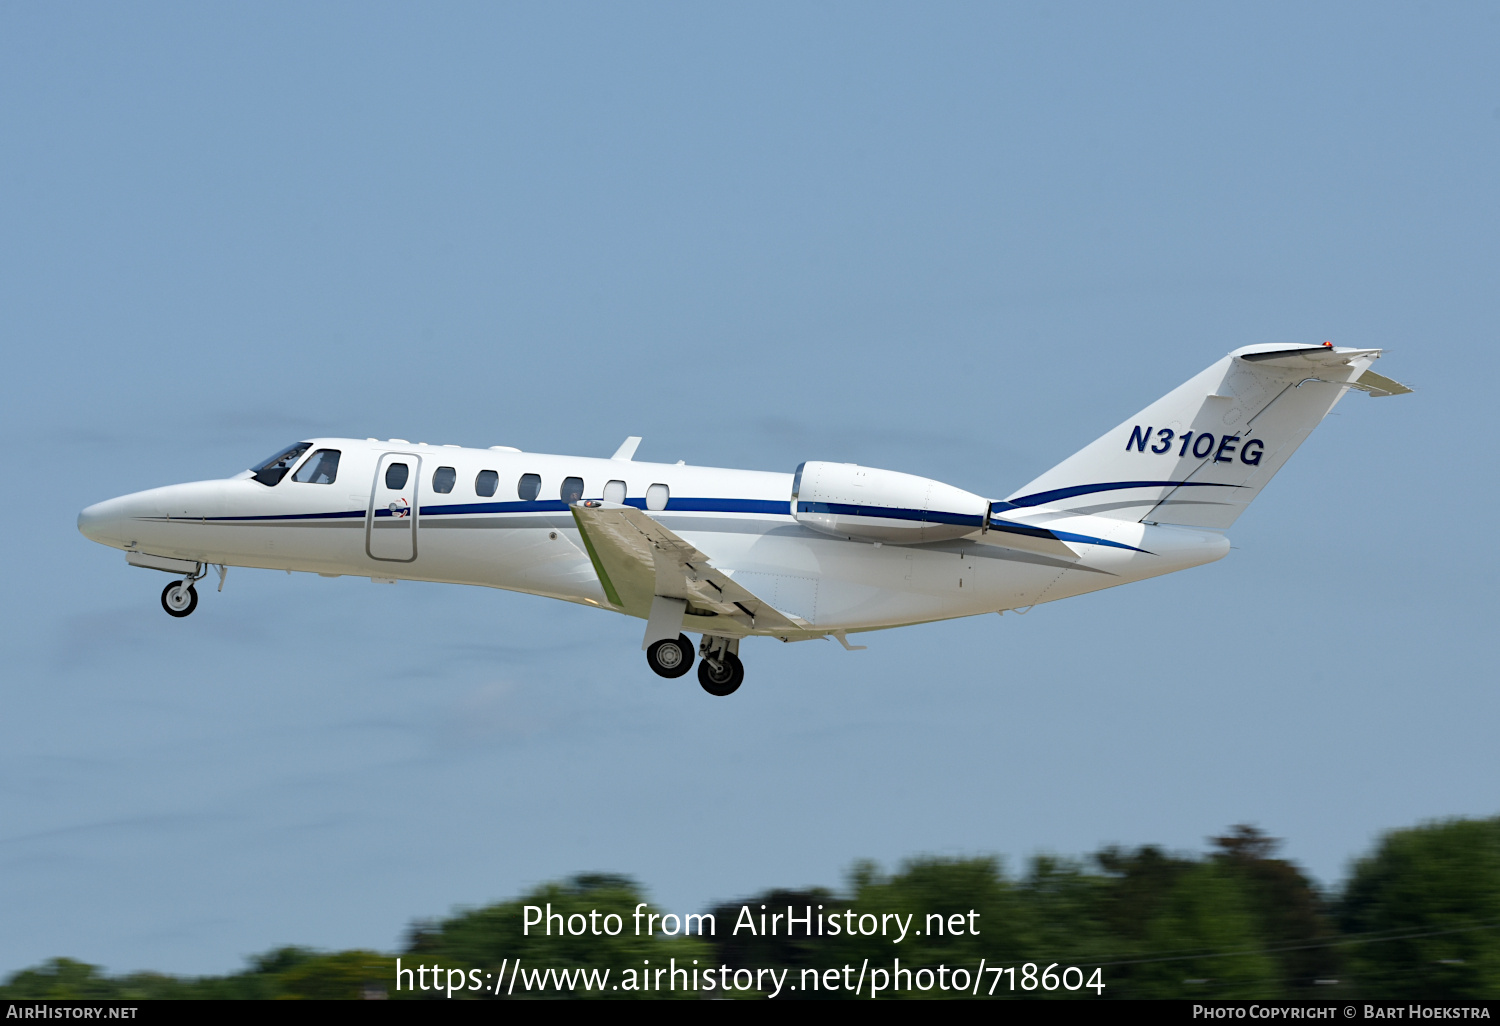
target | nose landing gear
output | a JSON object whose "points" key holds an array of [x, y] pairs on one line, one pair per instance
{"points": [[179, 598]]}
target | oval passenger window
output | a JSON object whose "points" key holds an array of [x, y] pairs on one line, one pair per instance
{"points": [[657, 496], [529, 487], [572, 489], [396, 475], [614, 492], [486, 483], [442, 480]]}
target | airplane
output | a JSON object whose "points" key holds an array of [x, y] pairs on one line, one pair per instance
{"points": [[831, 550]]}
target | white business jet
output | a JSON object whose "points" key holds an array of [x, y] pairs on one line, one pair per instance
{"points": [[828, 551]]}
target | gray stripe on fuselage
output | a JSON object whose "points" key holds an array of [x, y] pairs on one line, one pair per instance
{"points": [[175, 521], [988, 551], [512, 521], [674, 522], [734, 525]]}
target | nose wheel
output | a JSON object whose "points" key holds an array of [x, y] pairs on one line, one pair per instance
{"points": [[179, 598]]}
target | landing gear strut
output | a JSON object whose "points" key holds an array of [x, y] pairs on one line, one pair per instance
{"points": [[670, 657], [721, 672], [180, 597]]}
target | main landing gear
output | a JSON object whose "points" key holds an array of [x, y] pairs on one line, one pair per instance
{"points": [[671, 657], [720, 671]]}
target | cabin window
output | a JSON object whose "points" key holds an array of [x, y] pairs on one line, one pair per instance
{"points": [[322, 467], [486, 483], [442, 480], [571, 490], [614, 491], [274, 469], [657, 496], [529, 487], [396, 475]]}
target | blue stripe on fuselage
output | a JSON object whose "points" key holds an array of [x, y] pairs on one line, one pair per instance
{"points": [[961, 519], [760, 507], [925, 516], [689, 505], [1057, 494]]}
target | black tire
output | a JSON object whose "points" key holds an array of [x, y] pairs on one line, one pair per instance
{"points": [[726, 680], [177, 608], [671, 658]]}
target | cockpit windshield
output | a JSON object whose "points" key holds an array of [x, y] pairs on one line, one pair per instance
{"points": [[322, 467], [274, 469]]}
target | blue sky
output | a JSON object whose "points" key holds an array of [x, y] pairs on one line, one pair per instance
{"points": [[958, 241]]}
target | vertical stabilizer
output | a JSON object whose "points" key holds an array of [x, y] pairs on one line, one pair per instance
{"points": [[1198, 456]]}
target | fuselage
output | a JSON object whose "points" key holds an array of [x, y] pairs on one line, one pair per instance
{"points": [[500, 518]]}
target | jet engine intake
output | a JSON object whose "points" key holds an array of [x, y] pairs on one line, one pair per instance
{"points": [[850, 501]]}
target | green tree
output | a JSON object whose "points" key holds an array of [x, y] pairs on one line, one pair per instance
{"points": [[1184, 929], [795, 948], [61, 979], [347, 975], [1425, 907], [488, 937], [1291, 916]]}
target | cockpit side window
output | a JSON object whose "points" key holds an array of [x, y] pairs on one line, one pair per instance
{"points": [[442, 480], [274, 469], [322, 467]]}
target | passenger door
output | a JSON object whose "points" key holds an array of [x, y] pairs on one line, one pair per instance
{"points": [[391, 523]]}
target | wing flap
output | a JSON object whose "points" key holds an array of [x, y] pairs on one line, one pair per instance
{"points": [[638, 559]]}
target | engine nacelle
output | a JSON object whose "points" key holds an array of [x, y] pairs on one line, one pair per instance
{"points": [[851, 501]]}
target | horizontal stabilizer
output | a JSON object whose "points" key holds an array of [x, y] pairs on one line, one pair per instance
{"points": [[1309, 357], [1379, 385]]}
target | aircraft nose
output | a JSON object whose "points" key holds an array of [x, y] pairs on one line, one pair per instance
{"points": [[102, 522]]}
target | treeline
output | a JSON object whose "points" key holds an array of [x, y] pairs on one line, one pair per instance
{"points": [[1418, 918]]}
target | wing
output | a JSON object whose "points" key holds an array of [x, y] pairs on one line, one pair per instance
{"points": [[637, 560]]}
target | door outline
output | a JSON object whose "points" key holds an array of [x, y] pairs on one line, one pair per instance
{"points": [[416, 487]]}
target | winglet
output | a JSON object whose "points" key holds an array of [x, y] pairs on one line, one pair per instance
{"points": [[627, 448]]}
